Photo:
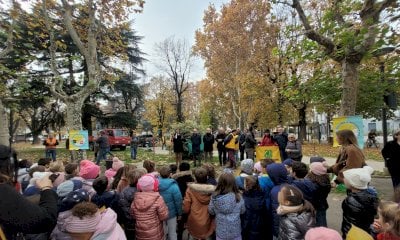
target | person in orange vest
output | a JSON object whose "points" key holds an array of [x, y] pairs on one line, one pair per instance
{"points": [[50, 144]]}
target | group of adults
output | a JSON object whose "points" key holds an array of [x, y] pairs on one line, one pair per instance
{"points": [[233, 144]]}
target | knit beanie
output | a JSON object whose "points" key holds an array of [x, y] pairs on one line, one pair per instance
{"points": [[147, 183], [73, 198], [258, 167], [247, 166], [117, 164], [288, 162], [359, 177], [322, 233], [89, 170], [318, 168], [110, 173], [68, 186], [317, 159], [86, 224]]}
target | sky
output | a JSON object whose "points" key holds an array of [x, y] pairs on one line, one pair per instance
{"points": [[161, 19]]}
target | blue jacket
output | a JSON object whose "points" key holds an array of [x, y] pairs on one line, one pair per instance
{"points": [[278, 174], [266, 186], [108, 199], [124, 212], [255, 222], [169, 191], [227, 214]]}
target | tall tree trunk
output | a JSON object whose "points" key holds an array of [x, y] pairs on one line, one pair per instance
{"points": [[179, 113], [350, 86], [4, 135], [74, 114], [302, 122]]}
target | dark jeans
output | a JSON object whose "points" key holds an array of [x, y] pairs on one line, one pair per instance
{"points": [[241, 153], [320, 218], [222, 156], [102, 154], [133, 152], [196, 157], [395, 181], [51, 153]]}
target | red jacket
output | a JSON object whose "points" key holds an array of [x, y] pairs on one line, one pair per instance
{"points": [[387, 236], [149, 210], [268, 141]]}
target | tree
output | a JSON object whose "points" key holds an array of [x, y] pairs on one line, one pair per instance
{"points": [[348, 32], [100, 17], [176, 61]]}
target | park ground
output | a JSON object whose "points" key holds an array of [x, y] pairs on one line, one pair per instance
{"points": [[164, 157]]}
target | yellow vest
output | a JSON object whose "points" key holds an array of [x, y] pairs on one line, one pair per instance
{"points": [[231, 144]]}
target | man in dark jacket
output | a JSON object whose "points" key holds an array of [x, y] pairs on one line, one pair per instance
{"points": [[250, 144], [104, 147], [196, 142], [391, 154], [220, 146], [208, 140], [281, 138], [242, 140]]}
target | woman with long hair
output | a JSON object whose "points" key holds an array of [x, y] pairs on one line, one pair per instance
{"points": [[350, 155]]}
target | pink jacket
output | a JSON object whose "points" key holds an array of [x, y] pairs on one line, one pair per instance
{"points": [[108, 228], [149, 210]]}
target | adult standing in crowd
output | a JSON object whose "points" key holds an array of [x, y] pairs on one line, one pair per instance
{"points": [[250, 144], [293, 148], [17, 214], [134, 145], [220, 146], [391, 154], [196, 142], [51, 146], [281, 138], [231, 141], [103, 147], [208, 140], [267, 139], [242, 143], [177, 141], [350, 155]]}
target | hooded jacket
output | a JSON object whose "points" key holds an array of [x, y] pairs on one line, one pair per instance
{"points": [[227, 212], [307, 187], [255, 221], [124, 204], [278, 174], [169, 191], [293, 226], [108, 228], [60, 232], [183, 178], [359, 208], [149, 210], [195, 204]]}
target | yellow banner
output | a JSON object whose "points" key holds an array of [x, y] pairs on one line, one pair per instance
{"points": [[272, 152]]}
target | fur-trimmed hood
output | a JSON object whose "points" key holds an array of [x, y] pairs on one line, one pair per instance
{"points": [[202, 192], [181, 174]]}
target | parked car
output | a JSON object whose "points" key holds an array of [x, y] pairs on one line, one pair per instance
{"points": [[118, 138], [147, 140]]}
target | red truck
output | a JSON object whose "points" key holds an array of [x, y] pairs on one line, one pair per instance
{"points": [[118, 138]]}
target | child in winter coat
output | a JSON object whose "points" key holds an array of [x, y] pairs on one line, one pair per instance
{"points": [[296, 214], [200, 225], [125, 201], [149, 209], [102, 197], [169, 191], [299, 171], [211, 179], [265, 182], [227, 205], [117, 164], [318, 175], [89, 171], [246, 167], [87, 222], [360, 205], [150, 166], [278, 174], [120, 180], [322, 233], [254, 222], [72, 172], [388, 223]]}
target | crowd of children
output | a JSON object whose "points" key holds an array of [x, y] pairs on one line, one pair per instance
{"points": [[267, 200]]}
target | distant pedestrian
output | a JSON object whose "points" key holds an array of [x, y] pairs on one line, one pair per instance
{"points": [[177, 141], [231, 144], [242, 141], [391, 154], [293, 148], [104, 147], [281, 138], [250, 144], [196, 142], [220, 146], [208, 140], [51, 145], [134, 145]]}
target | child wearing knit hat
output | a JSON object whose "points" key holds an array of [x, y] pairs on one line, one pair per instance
{"points": [[320, 178], [117, 164], [149, 209], [360, 205], [89, 171], [322, 233]]}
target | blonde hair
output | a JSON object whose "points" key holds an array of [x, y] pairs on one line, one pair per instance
{"points": [[390, 214], [56, 166]]}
